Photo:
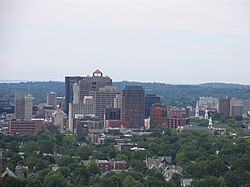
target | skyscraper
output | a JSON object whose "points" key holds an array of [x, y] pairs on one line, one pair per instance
{"points": [[224, 106], [133, 105], [51, 99], [150, 99], [23, 106], [102, 99], [93, 84], [68, 90]]}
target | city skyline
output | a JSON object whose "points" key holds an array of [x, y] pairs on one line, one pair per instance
{"points": [[176, 42]]}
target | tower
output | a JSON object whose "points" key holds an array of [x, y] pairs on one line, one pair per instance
{"points": [[206, 114], [51, 99], [68, 90], [224, 106], [102, 99], [197, 115], [23, 106], [210, 123], [133, 105], [150, 99], [93, 83]]}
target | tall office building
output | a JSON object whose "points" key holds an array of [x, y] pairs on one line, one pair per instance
{"points": [[224, 106], [158, 115], [208, 103], [118, 101], [150, 99], [133, 105], [93, 84], [85, 108], [51, 99], [23, 106], [68, 90], [236, 107], [102, 99]]}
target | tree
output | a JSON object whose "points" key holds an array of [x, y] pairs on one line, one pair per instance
{"points": [[208, 182], [53, 179], [30, 147], [237, 178], [216, 167], [65, 161], [138, 165], [129, 181], [46, 147], [92, 168], [31, 162], [85, 151], [12, 182], [42, 174]]}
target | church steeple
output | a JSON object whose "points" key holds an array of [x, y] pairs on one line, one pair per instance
{"points": [[206, 114], [197, 114], [210, 123]]}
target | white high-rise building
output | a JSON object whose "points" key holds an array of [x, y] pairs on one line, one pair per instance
{"points": [[76, 93]]}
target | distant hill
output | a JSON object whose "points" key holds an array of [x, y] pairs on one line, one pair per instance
{"points": [[224, 85], [179, 95]]}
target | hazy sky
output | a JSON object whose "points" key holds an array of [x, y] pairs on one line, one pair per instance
{"points": [[169, 41]]}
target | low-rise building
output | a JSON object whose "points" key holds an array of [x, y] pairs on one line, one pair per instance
{"points": [[25, 127]]}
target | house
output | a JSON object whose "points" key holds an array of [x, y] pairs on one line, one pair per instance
{"points": [[111, 165], [165, 165], [9, 173], [186, 182]]}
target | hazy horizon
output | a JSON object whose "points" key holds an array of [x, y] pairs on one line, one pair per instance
{"points": [[114, 81], [172, 42]]}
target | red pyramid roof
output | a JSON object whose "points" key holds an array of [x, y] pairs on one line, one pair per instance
{"points": [[97, 71]]}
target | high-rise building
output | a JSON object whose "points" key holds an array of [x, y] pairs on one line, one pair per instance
{"points": [[236, 107], [93, 84], [118, 101], [60, 119], [23, 106], [246, 106], [102, 99], [51, 99], [208, 103], [224, 106], [85, 108], [177, 118], [133, 105], [158, 115], [150, 99], [68, 90]]}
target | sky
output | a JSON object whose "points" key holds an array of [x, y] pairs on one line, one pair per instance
{"points": [[167, 41]]}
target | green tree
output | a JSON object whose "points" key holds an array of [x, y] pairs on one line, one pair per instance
{"points": [[53, 179], [129, 181], [29, 147], [92, 168], [85, 151], [65, 161], [237, 178], [208, 182]]}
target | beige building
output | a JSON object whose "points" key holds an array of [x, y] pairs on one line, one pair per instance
{"points": [[23, 106]]}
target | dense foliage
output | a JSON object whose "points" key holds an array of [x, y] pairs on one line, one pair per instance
{"points": [[209, 159]]}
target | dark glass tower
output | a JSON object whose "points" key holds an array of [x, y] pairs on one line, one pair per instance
{"points": [[133, 105], [68, 90]]}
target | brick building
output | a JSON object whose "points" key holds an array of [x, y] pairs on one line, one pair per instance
{"points": [[25, 127]]}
